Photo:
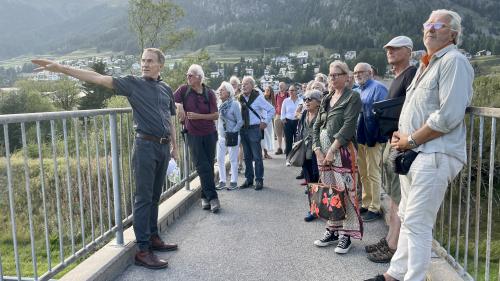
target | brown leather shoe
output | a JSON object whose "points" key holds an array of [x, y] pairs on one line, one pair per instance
{"points": [[158, 245], [149, 260]]}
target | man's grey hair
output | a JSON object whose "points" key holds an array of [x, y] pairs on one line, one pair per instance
{"points": [[229, 88], [158, 52], [249, 78], [365, 66], [198, 70], [234, 79], [455, 23]]}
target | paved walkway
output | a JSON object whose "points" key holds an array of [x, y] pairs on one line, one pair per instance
{"points": [[259, 235]]}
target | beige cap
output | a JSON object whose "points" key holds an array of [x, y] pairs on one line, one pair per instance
{"points": [[400, 41]]}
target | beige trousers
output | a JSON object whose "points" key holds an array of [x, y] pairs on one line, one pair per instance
{"points": [[369, 170], [278, 129]]}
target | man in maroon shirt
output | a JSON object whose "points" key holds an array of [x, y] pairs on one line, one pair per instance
{"points": [[197, 109], [278, 124]]}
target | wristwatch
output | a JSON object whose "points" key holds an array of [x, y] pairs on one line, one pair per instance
{"points": [[412, 142]]}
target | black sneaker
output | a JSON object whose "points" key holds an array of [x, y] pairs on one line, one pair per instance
{"points": [[310, 217], [376, 278], [371, 216], [259, 185], [363, 210], [329, 238], [300, 176], [246, 184], [205, 204], [344, 245]]}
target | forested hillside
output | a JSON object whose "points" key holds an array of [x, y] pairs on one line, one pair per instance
{"points": [[62, 26]]}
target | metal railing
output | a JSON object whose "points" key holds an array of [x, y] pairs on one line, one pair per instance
{"points": [[66, 187], [468, 224]]}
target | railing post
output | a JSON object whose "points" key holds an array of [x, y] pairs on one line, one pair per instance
{"points": [[115, 166], [186, 164]]}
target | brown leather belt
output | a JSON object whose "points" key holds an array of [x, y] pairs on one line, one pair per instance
{"points": [[165, 140]]}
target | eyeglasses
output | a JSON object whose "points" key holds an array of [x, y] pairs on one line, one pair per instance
{"points": [[292, 90], [436, 25], [336, 75], [189, 75], [309, 99]]}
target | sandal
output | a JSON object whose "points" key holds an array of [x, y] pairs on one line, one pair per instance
{"points": [[382, 255], [375, 247]]}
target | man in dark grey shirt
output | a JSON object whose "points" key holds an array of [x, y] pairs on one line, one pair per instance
{"points": [[152, 104]]}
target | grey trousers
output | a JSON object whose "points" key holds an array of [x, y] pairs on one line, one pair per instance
{"points": [[150, 162]]}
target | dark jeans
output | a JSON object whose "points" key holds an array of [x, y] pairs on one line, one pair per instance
{"points": [[252, 152], [310, 168], [150, 162], [202, 152], [290, 129]]}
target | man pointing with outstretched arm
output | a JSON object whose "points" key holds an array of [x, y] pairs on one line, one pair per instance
{"points": [[152, 105]]}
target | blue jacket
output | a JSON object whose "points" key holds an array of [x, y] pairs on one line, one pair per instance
{"points": [[367, 132]]}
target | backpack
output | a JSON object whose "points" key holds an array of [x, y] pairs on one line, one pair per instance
{"points": [[188, 92]]}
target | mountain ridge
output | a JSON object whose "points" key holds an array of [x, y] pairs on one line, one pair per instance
{"points": [[61, 26]]}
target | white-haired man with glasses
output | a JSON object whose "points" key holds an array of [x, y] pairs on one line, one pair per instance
{"points": [[432, 125]]}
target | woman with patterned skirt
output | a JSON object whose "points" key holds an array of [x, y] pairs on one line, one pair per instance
{"points": [[333, 144]]}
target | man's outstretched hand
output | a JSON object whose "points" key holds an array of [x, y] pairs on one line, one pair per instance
{"points": [[46, 65]]}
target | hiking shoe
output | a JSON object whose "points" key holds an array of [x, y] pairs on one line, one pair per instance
{"points": [[279, 151], [232, 186], [300, 176], [288, 164], [371, 216], [246, 184], [205, 205], [259, 185], [344, 245], [220, 186], [363, 210], [382, 255], [214, 205], [329, 238], [375, 247]]}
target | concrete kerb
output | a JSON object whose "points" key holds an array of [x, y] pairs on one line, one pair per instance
{"points": [[441, 268], [112, 259]]}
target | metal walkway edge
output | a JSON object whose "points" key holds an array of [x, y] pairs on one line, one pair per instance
{"points": [[259, 235]]}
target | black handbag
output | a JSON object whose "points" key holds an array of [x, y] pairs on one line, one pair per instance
{"points": [[401, 161], [387, 113], [297, 154], [231, 138]]}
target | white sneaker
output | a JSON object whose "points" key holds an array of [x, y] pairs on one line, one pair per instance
{"points": [[288, 164], [344, 245]]}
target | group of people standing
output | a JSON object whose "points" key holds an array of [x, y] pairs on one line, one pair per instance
{"points": [[340, 131]]}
